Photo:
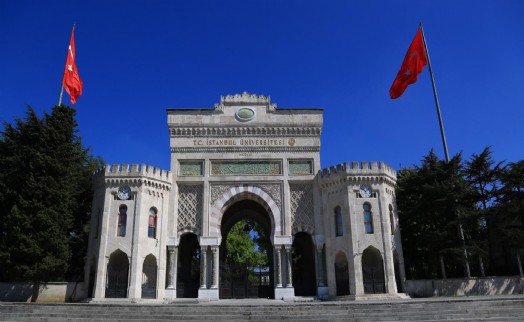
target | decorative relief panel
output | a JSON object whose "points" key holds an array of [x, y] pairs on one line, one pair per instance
{"points": [[189, 206], [300, 167], [273, 190], [245, 131], [246, 167], [217, 190], [191, 168], [302, 207]]}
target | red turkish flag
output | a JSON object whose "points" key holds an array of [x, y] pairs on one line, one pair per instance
{"points": [[71, 80], [412, 65]]}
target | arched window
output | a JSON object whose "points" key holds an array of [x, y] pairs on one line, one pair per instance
{"points": [[392, 219], [122, 221], [339, 228], [151, 227], [368, 218]]}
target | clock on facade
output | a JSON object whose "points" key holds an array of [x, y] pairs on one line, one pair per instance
{"points": [[124, 193], [365, 191]]}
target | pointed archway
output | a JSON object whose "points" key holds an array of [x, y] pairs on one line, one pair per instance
{"points": [[117, 275], [342, 274], [373, 271], [246, 224], [149, 277]]}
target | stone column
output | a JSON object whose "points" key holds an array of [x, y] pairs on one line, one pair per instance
{"points": [[320, 266], [101, 277], [172, 261], [278, 266], [214, 249], [203, 265], [289, 267], [131, 291]]}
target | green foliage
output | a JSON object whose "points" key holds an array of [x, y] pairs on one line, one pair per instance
{"points": [[484, 197], [429, 199], [509, 208], [244, 246], [45, 197]]}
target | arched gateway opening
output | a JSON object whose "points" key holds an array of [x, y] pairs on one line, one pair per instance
{"points": [[117, 275], [246, 252], [373, 271]]}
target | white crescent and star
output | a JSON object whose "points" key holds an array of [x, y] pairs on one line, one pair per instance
{"points": [[70, 67]]}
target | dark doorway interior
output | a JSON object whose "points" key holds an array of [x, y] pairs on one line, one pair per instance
{"points": [[373, 271], [117, 275], [342, 274], [188, 272], [304, 278]]}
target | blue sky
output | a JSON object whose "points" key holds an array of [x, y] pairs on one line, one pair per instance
{"points": [[137, 58]]}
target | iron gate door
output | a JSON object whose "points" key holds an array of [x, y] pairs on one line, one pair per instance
{"points": [[239, 282]]}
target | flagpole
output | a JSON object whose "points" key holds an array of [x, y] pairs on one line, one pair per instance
{"points": [[61, 93], [460, 229], [62, 89], [436, 97]]}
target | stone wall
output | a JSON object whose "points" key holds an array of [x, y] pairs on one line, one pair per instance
{"points": [[494, 285], [48, 292]]}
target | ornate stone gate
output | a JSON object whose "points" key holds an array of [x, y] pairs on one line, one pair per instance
{"points": [[243, 149]]}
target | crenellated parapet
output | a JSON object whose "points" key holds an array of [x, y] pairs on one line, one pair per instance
{"points": [[357, 172], [245, 98], [133, 174]]}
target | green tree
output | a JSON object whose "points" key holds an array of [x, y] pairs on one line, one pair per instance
{"points": [[45, 197], [431, 199], [507, 220], [243, 245], [483, 175]]}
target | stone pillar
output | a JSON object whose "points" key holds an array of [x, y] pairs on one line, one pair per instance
{"points": [[289, 267], [101, 277], [214, 249], [278, 266], [320, 266], [203, 265], [132, 291], [356, 278], [172, 261]]}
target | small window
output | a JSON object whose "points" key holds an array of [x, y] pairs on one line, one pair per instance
{"points": [[122, 221], [151, 227], [392, 219], [368, 219], [338, 222]]}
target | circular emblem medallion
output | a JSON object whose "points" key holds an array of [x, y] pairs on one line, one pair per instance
{"points": [[365, 191], [124, 193], [245, 114]]}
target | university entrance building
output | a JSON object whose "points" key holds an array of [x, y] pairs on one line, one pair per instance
{"points": [[161, 234]]}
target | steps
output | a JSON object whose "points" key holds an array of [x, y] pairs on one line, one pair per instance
{"points": [[500, 308]]}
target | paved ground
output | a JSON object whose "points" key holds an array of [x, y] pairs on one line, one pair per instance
{"points": [[298, 301]]}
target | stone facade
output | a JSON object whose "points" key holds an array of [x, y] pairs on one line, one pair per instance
{"points": [[244, 152]]}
